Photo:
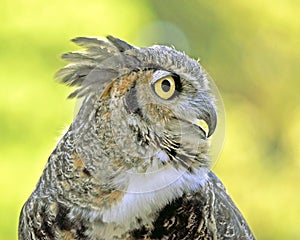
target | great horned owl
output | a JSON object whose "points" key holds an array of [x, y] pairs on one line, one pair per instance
{"points": [[134, 164]]}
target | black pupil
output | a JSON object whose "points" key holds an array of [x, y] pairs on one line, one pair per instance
{"points": [[165, 85]]}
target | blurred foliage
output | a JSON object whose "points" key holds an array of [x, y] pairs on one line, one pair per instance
{"points": [[250, 48]]}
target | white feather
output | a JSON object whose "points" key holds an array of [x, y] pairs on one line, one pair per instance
{"points": [[149, 192]]}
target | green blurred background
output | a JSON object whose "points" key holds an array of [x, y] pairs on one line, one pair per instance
{"points": [[250, 48]]}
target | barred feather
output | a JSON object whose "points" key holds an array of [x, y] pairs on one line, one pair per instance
{"points": [[100, 62]]}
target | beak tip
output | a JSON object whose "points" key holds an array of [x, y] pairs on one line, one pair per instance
{"points": [[212, 126]]}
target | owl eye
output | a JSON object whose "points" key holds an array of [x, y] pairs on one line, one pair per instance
{"points": [[165, 87]]}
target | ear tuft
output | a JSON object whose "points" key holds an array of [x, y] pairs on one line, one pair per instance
{"points": [[120, 44], [101, 61]]}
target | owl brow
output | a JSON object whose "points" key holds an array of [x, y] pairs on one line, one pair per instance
{"points": [[154, 67], [168, 73], [159, 74]]}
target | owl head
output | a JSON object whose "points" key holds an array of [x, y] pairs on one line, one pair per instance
{"points": [[143, 107]]}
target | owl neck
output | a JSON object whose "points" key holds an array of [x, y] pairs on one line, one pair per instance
{"points": [[100, 187], [108, 137]]}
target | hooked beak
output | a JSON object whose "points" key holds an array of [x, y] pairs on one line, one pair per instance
{"points": [[207, 121]]}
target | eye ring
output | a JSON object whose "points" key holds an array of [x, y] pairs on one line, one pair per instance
{"points": [[165, 87]]}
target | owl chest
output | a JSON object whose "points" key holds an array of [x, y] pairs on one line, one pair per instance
{"points": [[145, 197]]}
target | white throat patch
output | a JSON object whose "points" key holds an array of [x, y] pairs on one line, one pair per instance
{"points": [[147, 193]]}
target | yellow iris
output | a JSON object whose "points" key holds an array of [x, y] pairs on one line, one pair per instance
{"points": [[165, 87]]}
